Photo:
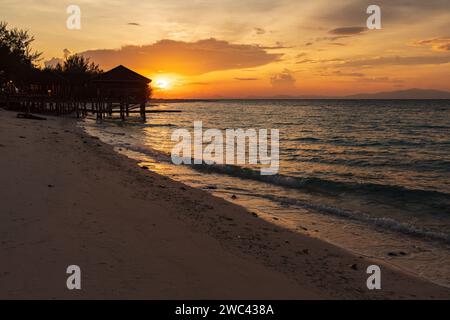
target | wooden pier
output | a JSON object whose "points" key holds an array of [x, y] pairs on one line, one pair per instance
{"points": [[119, 91], [46, 105]]}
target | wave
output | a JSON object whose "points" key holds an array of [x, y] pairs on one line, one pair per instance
{"points": [[429, 126], [327, 186], [436, 199], [374, 161], [349, 143], [130, 123], [155, 154], [383, 223], [307, 139]]}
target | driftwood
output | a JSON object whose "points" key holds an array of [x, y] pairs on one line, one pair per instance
{"points": [[29, 116]]}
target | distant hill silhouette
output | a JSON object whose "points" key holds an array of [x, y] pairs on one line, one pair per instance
{"points": [[404, 94], [399, 94]]}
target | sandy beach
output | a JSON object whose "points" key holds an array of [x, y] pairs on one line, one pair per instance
{"points": [[69, 199]]}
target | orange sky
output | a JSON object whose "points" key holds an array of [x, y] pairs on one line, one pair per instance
{"points": [[245, 48]]}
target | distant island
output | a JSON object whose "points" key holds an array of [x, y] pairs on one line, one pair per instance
{"points": [[413, 93], [404, 94], [407, 94]]}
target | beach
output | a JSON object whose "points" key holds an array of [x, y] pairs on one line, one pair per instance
{"points": [[69, 199]]}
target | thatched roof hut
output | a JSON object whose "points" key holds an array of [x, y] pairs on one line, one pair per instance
{"points": [[122, 83]]}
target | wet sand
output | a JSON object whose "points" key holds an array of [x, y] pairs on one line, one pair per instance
{"points": [[67, 199]]}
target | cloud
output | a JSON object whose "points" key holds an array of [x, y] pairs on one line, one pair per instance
{"points": [[341, 33], [437, 44], [283, 79], [362, 77], [397, 60], [353, 12], [318, 61], [260, 31], [348, 31], [305, 61], [52, 62], [348, 74], [381, 80], [198, 83], [66, 53], [278, 45], [246, 79], [188, 58], [133, 24], [339, 73]]}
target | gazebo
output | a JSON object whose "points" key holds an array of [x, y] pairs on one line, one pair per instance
{"points": [[123, 87]]}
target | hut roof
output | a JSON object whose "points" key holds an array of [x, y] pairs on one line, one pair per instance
{"points": [[122, 74]]}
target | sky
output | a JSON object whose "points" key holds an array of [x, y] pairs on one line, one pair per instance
{"points": [[250, 48]]}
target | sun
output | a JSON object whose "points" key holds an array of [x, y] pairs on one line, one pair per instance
{"points": [[162, 84]]}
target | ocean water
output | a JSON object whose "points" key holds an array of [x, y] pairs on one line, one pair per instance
{"points": [[381, 166]]}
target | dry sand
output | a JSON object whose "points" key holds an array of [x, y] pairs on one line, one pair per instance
{"points": [[68, 199]]}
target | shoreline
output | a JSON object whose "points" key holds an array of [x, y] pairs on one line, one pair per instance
{"points": [[70, 199], [356, 232]]}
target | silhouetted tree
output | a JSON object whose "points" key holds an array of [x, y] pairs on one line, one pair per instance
{"points": [[17, 59], [78, 71], [78, 64]]}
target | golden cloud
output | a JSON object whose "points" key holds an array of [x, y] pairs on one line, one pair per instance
{"points": [[188, 58], [283, 79], [437, 44]]}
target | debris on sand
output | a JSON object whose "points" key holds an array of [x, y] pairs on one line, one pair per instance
{"points": [[29, 116]]}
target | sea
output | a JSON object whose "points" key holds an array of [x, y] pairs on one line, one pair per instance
{"points": [[370, 176]]}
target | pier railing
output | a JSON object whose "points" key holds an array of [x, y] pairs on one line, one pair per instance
{"points": [[101, 107]]}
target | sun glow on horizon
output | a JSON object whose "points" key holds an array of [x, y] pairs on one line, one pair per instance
{"points": [[166, 85], [162, 84]]}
